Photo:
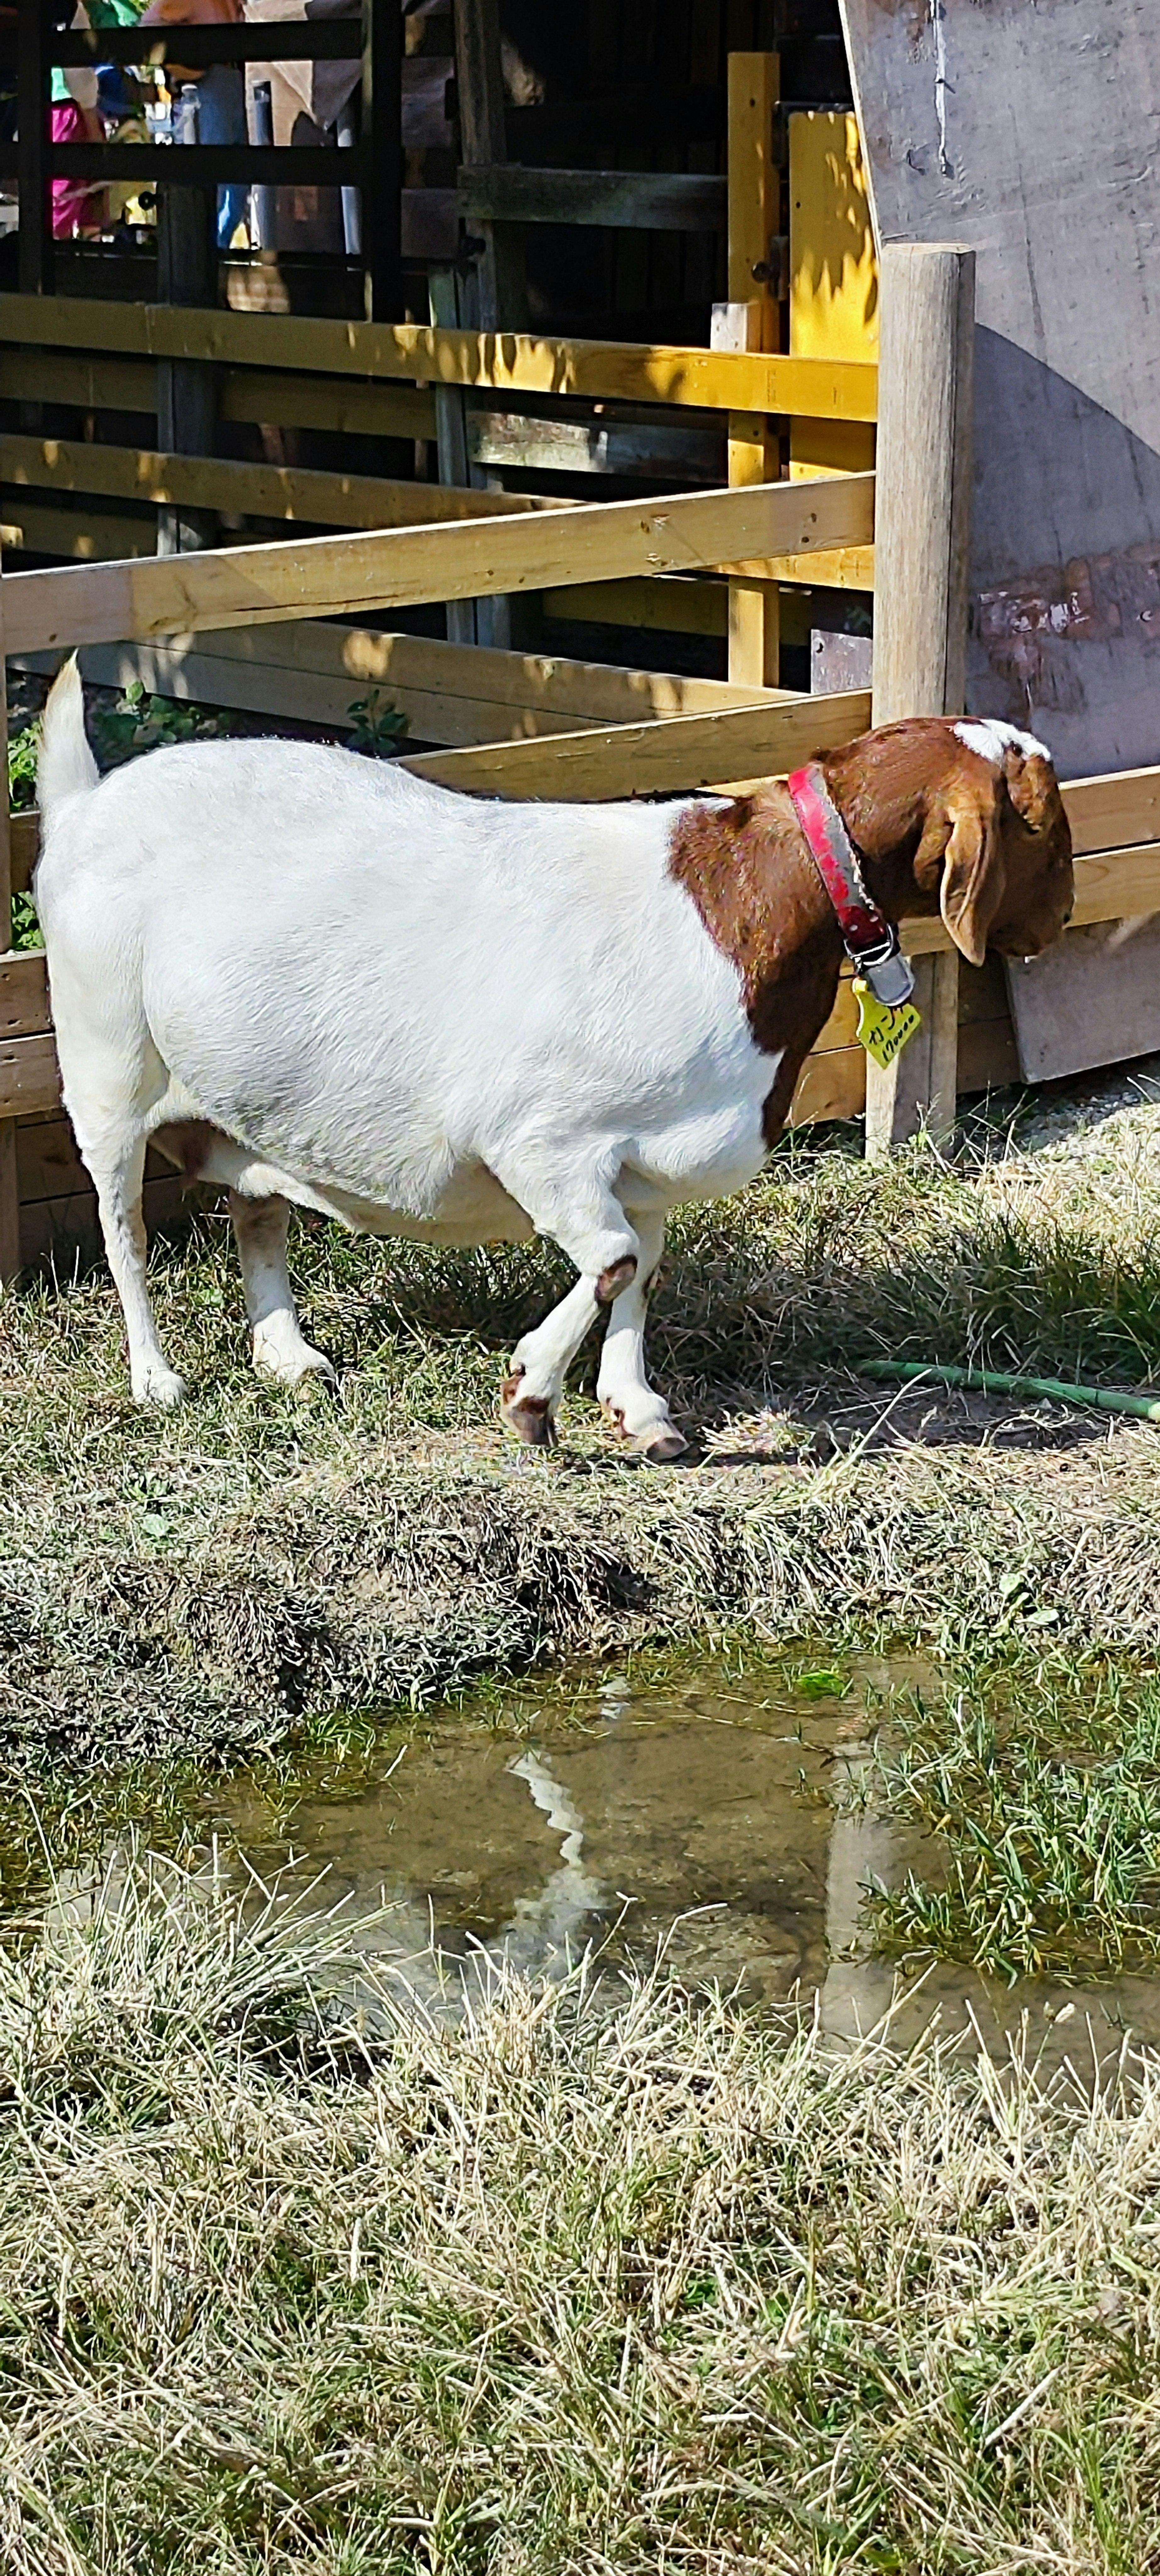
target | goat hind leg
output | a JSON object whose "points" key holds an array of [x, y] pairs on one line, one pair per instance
{"points": [[118, 1169], [261, 1228]]}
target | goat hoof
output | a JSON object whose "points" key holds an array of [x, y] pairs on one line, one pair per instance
{"points": [[303, 1367], [655, 1448], [529, 1416], [658, 1442], [161, 1387]]}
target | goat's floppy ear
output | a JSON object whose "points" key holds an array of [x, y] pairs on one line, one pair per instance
{"points": [[965, 833]]}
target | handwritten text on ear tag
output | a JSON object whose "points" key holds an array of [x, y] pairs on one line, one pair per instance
{"points": [[884, 1031]]}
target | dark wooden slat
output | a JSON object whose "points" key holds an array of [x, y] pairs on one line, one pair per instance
{"points": [[34, 247], [633, 200], [382, 152], [211, 165], [318, 40]]}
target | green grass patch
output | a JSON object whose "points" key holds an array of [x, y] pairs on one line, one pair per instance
{"points": [[1039, 1808]]}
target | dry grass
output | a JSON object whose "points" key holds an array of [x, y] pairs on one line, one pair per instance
{"points": [[217, 1577], [585, 2280]]}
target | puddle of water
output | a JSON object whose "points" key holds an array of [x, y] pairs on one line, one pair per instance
{"points": [[699, 1820]]}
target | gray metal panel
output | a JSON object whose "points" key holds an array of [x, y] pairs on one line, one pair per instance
{"points": [[1028, 128]]}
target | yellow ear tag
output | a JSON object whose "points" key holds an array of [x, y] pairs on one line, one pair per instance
{"points": [[883, 1030]]}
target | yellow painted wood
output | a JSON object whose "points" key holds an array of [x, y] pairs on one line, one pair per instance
{"points": [[754, 188], [833, 301], [618, 371], [291, 402]]}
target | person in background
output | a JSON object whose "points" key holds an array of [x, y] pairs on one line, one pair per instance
{"points": [[221, 96], [78, 205]]}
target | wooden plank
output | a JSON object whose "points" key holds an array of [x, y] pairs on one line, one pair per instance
{"points": [[920, 609], [25, 839], [529, 445], [450, 693], [752, 320], [988, 1057], [56, 1230], [275, 40], [683, 607], [261, 491], [516, 362], [1113, 813], [238, 586], [1063, 209], [29, 1080], [600, 693], [1093, 999], [33, 527], [833, 292], [686, 753], [629, 200], [830, 1086], [670, 606], [500, 279], [290, 402], [24, 1010]]}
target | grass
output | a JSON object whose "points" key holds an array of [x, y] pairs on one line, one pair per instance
{"points": [[1039, 1809], [580, 2280], [222, 1576]]}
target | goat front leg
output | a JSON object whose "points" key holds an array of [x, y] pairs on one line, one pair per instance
{"points": [[540, 1363], [261, 1229], [639, 1414], [579, 1210]]}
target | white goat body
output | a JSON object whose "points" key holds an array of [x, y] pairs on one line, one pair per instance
{"points": [[417, 1012]]}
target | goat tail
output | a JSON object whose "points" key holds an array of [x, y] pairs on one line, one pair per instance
{"points": [[66, 766]]}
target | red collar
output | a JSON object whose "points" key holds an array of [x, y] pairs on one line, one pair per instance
{"points": [[869, 939]]}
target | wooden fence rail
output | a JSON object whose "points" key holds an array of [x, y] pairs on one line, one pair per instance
{"points": [[503, 361], [748, 529]]}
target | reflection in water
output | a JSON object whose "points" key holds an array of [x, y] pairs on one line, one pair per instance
{"points": [[549, 1928], [719, 1823]]}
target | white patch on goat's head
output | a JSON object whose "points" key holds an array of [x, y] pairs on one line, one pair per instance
{"points": [[991, 739]]}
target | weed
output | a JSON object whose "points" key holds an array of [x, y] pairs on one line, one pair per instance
{"points": [[377, 725], [140, 722]]}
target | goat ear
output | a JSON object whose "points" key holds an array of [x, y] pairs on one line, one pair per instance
{"points": [[966, 834]]}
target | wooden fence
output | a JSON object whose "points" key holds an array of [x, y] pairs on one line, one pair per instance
{"points": [[243, 624]]}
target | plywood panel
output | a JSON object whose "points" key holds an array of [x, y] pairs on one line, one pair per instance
{"points": [[1029, 133], [1094, 999]]}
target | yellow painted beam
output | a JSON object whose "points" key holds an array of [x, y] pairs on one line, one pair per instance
{"points": [[509, 362]]}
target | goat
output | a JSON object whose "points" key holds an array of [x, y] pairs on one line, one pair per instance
{"points": [[520, 1019]]}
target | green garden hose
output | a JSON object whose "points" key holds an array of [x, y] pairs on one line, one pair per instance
{"points": [[1109, 1399]]}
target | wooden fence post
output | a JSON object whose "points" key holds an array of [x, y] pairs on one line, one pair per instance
{"points": [[9, 1185], [751, 320], [921, 574]]}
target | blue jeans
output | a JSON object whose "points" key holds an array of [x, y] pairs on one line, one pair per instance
{"points": [[221, 118]]}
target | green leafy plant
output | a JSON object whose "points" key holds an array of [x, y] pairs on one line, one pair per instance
{"points": [[23, 755], [377, 725], [141, 722]]}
